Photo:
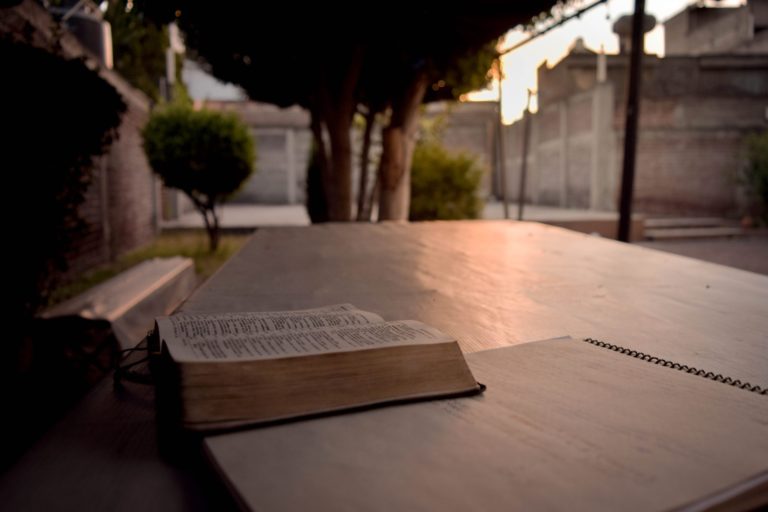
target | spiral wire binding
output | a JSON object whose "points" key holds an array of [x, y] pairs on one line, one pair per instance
{"points": [[681, 367]]}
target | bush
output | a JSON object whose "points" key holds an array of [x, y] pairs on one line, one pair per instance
{"points": [[757, 174], [58, 115], [444, 185], [207, 155]]}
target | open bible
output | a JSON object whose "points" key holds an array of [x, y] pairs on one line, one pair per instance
{"points": [[233, 369]]}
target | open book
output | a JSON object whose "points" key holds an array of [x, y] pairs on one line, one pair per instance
{"points": [[227, 370], [563, 425]]}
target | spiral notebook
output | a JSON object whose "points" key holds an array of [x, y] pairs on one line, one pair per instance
{"points": [[563, 424]]}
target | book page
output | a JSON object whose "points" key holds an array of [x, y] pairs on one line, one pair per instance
{"points": [[563, 425], [243, 324], [355, 335]]}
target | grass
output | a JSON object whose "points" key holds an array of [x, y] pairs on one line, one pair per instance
{"points": [[192, 244]]}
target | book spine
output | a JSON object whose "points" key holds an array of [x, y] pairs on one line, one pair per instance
{"points": [[681, 367]]}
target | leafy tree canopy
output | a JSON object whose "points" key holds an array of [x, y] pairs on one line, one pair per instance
{"points": [[280, 54], [139, 45], [334, 59]]}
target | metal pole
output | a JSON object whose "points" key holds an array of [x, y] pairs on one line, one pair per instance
{"points": [[630, 128], [524, 162], [502, 163]]}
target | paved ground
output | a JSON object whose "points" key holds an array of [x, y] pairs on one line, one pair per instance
{"points": [[546, 213], [748, 253], [245, 216]]}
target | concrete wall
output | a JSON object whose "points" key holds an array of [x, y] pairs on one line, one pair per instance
{"points": [[703, 30], [470, 127], [571, 152], [283, 142]]}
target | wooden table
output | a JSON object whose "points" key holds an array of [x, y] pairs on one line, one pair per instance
{"points": [[487, 283]]}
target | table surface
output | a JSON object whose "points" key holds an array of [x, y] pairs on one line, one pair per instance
{"points": [[489, 284]]}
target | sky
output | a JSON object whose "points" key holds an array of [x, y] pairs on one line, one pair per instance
{"points": [[595, 27]]}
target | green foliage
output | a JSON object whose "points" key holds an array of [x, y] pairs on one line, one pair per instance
{"points": [[377, 62], [180, 93], [203, 153], [467, 72], [444, 185], [53, 130], [394, 44], [138, 45], [57, 116], [757, 173], [207, 155]]}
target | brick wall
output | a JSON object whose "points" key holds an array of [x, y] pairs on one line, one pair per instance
{"points": [[688, 173], [690, 153], [131, 188], [695, 114], [119, 208], [702, 30], [92, 248]]}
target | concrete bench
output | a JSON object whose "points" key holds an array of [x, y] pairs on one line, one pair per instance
{"points": [[73, 345], [130, 301]]}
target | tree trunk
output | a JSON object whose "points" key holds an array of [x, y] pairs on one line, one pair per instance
{"points": [[332, 112], [372, 197], [207, 208], [363, 204], [332, 137], [214, 233], [317, 209], [339, 183], [398, 142]]}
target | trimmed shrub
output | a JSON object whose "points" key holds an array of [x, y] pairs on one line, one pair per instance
{"points": [[207, 155], [444, 185]]}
